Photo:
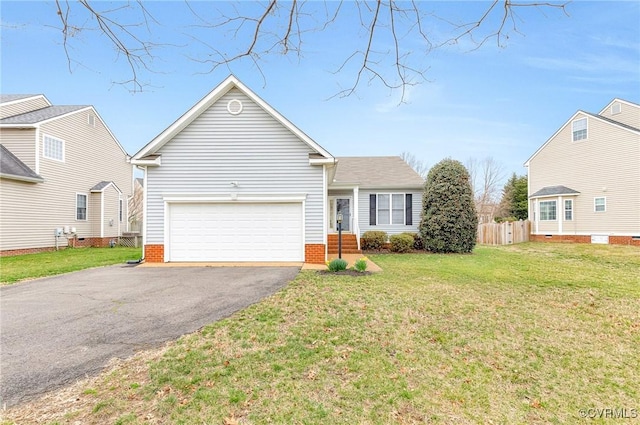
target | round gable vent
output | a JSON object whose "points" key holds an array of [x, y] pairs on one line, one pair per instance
{"points": [[234, 106]]}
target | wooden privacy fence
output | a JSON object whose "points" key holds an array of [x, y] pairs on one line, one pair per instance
{"points": [[506, 233]]}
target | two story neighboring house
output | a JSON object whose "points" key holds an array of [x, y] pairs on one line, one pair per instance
{"points": [[584, 182], [64, 178]]}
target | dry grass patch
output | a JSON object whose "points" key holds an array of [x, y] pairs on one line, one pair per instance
{"points": [[523, 334]]}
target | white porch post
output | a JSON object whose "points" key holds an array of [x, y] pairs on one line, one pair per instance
{"points": [[560, 214], [536, 213], [356, 226]]}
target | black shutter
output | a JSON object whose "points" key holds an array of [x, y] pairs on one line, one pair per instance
{"points": [[372, 209], [408, 209]]}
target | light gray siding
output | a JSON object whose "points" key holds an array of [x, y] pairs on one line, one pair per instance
{"points": [[252, 149], [606, 164], [391, 229], [30, 212], [21, 107]]}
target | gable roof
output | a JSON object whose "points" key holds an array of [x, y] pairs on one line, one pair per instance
{"points": [[573, 117], [204, 104], [42, 114], [7, 98], [554, 191], [617, 99], [376, 172], [100, 187], [12, 168]]}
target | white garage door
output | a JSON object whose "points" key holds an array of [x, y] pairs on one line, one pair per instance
{"points": [[236, 232]]}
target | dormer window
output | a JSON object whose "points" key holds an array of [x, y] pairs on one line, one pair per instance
{"points": [[579, 128]]}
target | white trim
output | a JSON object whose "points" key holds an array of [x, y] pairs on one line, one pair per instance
{"points": [[555, 201], [606, 121], [356, 214], [37, 170], [594, 204], [239, 198], [111, 183], [21, 178], [552, 195], [560, 216], [230, 82], [404, 208], [26, 99], [144, 209], [86, 207], [231, 110], [325, 201], [564, 215], [622, 101], [168, 201], [102, 214], [147, 162], [333, 214], [318, 161], [573, 131], [54, 139]]}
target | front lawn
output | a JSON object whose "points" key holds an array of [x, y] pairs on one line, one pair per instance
{"points": [[525, 334], [20, 267]]}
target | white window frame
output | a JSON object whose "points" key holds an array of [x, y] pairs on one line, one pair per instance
{"points": [[604, 204], [544, 216], [574, 136], [45, 138], [570, 210], [86, 206], [390, 209]]}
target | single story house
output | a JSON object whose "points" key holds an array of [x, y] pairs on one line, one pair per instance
{"points": [[234, 180]]}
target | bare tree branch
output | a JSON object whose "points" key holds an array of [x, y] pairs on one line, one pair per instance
{"points": [[389, 30]]}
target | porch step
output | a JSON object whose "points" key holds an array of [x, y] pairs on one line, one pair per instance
{"points": [[349, 244]]}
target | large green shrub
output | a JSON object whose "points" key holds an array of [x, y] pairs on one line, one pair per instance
{"points": [[373, 239], [401, 243], [449, 221], [338, 265]]}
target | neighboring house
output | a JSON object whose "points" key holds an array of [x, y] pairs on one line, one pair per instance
{"points": [[584, 182], [64, 178], [136, 206], [234, 180]]}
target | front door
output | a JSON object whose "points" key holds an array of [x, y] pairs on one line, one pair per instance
{"points": [[343, 206]]}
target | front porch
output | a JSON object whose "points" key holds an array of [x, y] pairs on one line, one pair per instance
{"points": [[350, 244]]}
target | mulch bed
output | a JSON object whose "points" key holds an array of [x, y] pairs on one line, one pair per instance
{"points": [[346, 272]]}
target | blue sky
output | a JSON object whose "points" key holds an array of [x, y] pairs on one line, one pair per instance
{"points": [[502, 102]]}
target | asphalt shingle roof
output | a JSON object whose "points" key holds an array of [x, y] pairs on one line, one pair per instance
{"points": [[376, 172], [612, 121], [11, 97], [554, 190], [43, 114], [10, 165]]}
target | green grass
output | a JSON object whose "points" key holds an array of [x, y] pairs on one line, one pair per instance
{"points": [[525, 334], [20, 267]]}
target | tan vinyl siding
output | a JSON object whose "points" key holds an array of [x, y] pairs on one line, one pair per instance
{"points": [[93, 214], [251, 148], [22, 143], [21, 107], [391, 229], [111, 228], [629, 114], [91, 156], [606, 164]]}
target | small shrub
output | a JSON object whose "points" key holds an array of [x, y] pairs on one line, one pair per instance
{"points": [[360, 265], [418, 243], [401, 243], [373, 239], [337, 265]]}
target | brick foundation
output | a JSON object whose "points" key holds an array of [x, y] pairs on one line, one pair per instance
{"points": [[314, 253], [73, 243], [613, 240], [154, 253], [24, 251]]}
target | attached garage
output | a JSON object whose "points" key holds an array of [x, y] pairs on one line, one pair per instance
{"points": [[235, 231]]}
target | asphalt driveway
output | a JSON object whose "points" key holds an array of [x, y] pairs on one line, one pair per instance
{"points": [[56, 330]]}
